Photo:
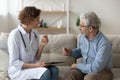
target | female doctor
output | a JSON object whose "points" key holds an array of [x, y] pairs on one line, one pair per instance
{"points": [[24, 49]]}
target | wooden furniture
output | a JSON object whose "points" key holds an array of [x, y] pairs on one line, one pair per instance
{"points": [[49, 11]]}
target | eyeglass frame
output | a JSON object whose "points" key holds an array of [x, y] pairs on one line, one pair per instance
{"points": [[86, 26]]}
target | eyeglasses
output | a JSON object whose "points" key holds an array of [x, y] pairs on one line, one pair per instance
{"points": [[82, 26]]}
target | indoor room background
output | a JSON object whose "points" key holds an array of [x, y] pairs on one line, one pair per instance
{"points": [[107, 10]]}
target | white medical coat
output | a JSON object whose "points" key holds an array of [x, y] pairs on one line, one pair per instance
{"points": [[18, 54]]}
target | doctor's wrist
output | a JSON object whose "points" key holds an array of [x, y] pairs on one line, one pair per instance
{"points": [[42, 45]]}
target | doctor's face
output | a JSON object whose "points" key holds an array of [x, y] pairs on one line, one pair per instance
{"points": [[35, 22]]}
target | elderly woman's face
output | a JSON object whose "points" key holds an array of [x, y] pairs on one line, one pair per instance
{"points": [[83, 28]]}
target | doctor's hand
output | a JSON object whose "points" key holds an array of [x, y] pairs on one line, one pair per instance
{"points": [[66, 51], [44, 40], [41, 64]]}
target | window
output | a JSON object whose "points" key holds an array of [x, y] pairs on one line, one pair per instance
{"points": [[3, 7]]}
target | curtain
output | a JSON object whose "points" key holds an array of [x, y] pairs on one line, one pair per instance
{"points": [[3, 15]]}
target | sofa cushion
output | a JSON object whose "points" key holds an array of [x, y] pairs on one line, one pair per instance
{"points": [[45, 57], [115, 41], [53, 57], [62, 71], [61, 41], [67, 60], [3, 41], [3, 64], [55, 46], [116, 60], [116, 73]]}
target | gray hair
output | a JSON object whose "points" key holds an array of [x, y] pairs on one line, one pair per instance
{"points": [[91, 19]]}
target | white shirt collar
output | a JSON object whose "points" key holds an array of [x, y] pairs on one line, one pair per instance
{"points": [[22, 30]]}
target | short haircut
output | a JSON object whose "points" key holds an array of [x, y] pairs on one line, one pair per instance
{"points": [[28, 14], [91, 19]]}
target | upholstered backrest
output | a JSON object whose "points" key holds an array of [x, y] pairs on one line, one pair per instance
{"points": [[53, 50], [115, 41], [3, 41], [4, 58]]}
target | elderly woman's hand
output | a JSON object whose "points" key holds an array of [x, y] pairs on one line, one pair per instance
{"points": [[73, 66], [66, 51]]}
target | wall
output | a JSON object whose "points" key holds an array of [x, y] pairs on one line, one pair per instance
{"points": [[107, 10], [13, 13], [4, 15]]}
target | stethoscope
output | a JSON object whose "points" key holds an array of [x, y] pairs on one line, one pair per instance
{"points": [[24, 40]]}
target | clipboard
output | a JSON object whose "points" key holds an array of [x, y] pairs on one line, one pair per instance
{"points": [[54, 62]]}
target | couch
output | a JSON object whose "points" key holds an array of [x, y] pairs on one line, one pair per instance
{"points": [[53, 52]]}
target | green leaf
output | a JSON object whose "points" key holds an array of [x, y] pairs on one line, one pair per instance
{"points": [[78, 22]]}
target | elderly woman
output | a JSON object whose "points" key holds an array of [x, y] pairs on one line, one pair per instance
{"points": [[94, 48], [25, 50]]}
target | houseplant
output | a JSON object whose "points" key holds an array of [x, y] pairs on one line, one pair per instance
{"points": [[78, 22]]}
